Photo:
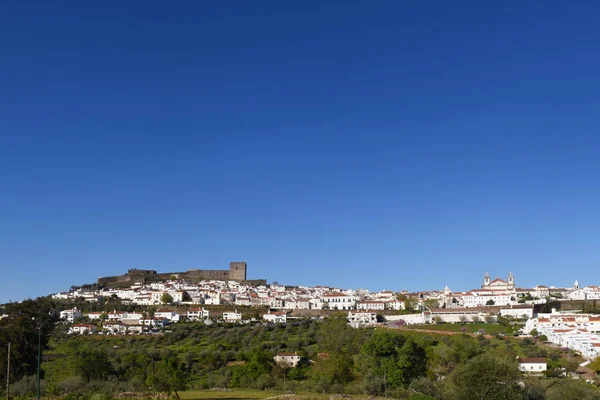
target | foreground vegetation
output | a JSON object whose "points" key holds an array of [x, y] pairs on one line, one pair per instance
{"points": [[193, 358]]}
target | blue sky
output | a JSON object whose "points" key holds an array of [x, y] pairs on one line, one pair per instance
{"points": [[396, 145]]}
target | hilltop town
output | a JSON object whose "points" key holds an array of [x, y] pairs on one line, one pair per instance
{"points": [[162, 299]]}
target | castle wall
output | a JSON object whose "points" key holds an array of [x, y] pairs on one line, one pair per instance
{"points": [[236, 272]]}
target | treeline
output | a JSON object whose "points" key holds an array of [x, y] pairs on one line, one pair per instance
{"points": [[335, 359], [27, 323]]}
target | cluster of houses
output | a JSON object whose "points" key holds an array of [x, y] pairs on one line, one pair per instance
{"points": [[215, 292], [363, 307], [497, 292], [122, 322], [578, 332]]}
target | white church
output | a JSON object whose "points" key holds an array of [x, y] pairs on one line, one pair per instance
{"points": [[498, 284]]}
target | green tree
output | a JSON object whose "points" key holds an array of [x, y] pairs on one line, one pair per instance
{"points": [[26, 322], [93, 364], [166, 298], [490, 302], [166, 375], [337, 368], [258, 363], [431, 304], [410, 303], [336, 336], [486, 377], [568, 389], [390, 361]]}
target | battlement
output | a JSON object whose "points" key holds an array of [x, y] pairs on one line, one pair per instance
{"points": [[237, 272], [140, 272]]}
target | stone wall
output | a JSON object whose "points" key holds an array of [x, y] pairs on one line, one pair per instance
{"points": [[236, 272]]}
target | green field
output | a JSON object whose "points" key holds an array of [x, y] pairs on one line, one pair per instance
{"points": [[467, 328]]}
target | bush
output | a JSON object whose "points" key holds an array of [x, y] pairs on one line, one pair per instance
{"points": [[24, 387]]}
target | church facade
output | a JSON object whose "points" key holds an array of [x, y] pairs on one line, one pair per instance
{"points": [[499, 284]]}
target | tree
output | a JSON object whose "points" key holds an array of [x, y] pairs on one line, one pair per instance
{"points": [[463, 319], [166, 376], [431, 304], [410, 303], [595, 364], [93, 364], [486, 377], [476, 319], [388, 360], [166, 298], [25, 320], [568, 389], [490, 302]]}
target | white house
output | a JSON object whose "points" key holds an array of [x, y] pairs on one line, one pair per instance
{"points": [[116, 315], [82, 329], [232, 316], [395, 304], [195, 314], [275, 316], [243, 300], [372, 305], [71, 314], [171, 316], [587, 293], [339, 301], [291, 359], [96, 315], [361, 318], [532, 365], [114, 327]]}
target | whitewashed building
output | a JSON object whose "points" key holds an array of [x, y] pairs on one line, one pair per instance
{"points": [[232, 316], [82, 329], [339, 301], [195, 314], [373, 305], [290, 359], [71, 314], [275, 317], [361, 318], [532, 365]]}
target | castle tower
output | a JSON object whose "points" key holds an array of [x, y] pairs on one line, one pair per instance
{"points": [[511, 280], [486, 280], [237, 270]]}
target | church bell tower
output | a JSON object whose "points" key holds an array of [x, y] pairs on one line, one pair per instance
{"points": [[511, 280], [486, 280]]}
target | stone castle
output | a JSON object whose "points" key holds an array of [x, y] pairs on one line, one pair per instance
{"points": [[236, 272]]}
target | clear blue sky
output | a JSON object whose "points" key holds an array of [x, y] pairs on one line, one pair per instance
{"points": [[389, 144]]}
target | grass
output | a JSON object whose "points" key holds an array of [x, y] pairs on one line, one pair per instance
{"points": [[468, 328]]}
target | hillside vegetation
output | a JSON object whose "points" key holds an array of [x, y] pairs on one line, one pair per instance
{"points": [[335, 359]]}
